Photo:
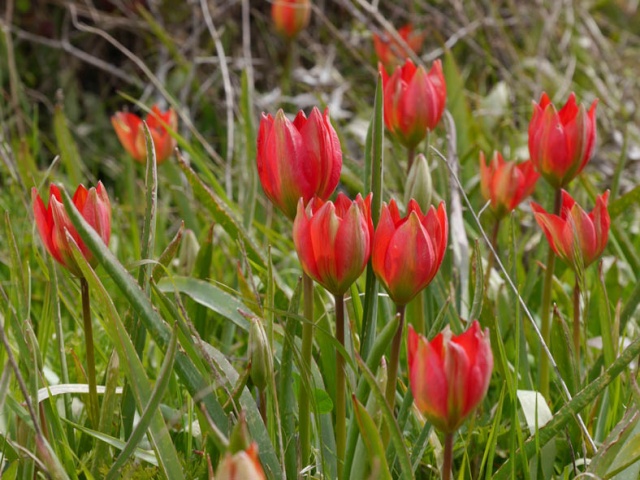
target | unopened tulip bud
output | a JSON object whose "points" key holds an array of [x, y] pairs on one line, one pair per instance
{"points": [[239, 439], [290, 16], [260, 354], [188, 252], [419, 185]]}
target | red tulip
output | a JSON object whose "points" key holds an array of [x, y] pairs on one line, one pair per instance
{"points": [[450, 374], [333, 241], [298, 159], [290, 16], [561, 143], [413, 101], [243, 465], [128, 127], [506, 184], [53, 222], [390, 53], [575, 236], [407, 252]]}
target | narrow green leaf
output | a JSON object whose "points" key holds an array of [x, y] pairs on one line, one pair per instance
{"points": [[371, 436], [67, 147], [478, 295], [167, 255]]}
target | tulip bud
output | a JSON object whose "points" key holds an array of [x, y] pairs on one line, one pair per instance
{"points": [[243, 465], [188, 252], [333, 241], [561, 143], [449, 375], [239, 439], [298, 159], [53, 222], [414, 101], [290, 16], [128, 127], [407, 252], [506, 184], [260, 355], [419, 186], [579, 239], [390, 53]]}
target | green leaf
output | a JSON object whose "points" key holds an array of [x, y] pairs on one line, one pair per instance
{"points": [[372, 440]]}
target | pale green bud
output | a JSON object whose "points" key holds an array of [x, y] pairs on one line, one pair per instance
{"points": [[260, 355], [419, 185]]}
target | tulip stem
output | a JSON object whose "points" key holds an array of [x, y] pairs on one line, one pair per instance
{"points": [[341, 401], [546, 307], [448, 456], [93, 411], [493, 253], [411, 155], [392, 375], [576, 323], [304, 415]]}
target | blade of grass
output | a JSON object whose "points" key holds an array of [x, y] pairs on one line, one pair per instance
{"points": [[372, 440]]}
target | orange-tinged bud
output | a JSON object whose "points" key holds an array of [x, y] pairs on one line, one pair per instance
{"points": [[333, 241], [450, 374], [390, 53], [290, 16], [414, 101], [53, 222], [575, 236], [408, 251], [128, 127], [506, 184], [243, 465], [561, 142]]}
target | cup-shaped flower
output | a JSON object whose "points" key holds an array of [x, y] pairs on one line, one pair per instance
{"points": [[53, 222], [506, 184], [561, 142], [242, 465], [128, 127], [407, 251], [413, 101], [333, 241], [298, 159], [575, 236], [450, 374], [390, 53], [290, 16]]}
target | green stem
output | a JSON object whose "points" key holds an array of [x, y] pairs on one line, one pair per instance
{"points": [[546, 309], [94, 410], [287, 67], [304, 414], [576, 322], [341, 400], [392, 372], [411, 155], [494, 246], [263, 404], [448, 456]]}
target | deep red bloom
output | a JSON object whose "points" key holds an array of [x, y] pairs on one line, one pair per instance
{"points": [[243, 465], [333, 241], [390, 53], [449, 375], [298, 159], [52, 222], [414, 101], [290, 16], [561, 143], [407, 252], [506, 184], [128, 127], [575, 236]]}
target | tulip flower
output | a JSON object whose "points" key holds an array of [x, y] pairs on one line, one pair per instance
{"points": [[290, 16], [53, 222], [413, 101], [575, 236], [561, 143], [333, 241], [506, 184], [407, 252], [243, 465], [390, 53], [450, 374], [299, 159], [128, 127]]}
